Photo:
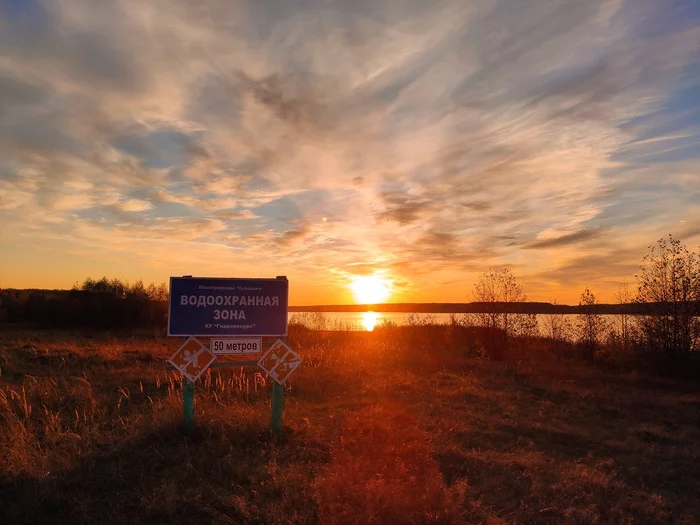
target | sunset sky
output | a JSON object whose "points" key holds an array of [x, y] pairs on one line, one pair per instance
{"points": [[420, 142]]}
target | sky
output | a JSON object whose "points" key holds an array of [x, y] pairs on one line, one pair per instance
{"points": [[421, 143]]}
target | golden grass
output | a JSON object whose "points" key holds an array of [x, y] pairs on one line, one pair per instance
{"points": [[389, 427]]}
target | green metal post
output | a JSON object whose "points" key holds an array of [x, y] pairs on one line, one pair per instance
{"points": [[277, 401], [188, 405], [277, 405]]}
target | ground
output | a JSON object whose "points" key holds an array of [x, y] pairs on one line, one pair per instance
{"points": [[389, 427]]}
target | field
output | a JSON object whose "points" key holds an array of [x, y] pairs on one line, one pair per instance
{"points": [[395, 426]]}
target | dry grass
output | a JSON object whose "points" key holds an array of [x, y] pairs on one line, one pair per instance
{"points": [[382, 470], [381, 428]]}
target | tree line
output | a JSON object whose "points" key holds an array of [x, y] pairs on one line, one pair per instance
{"points": [[100, 304], [665, 329]]}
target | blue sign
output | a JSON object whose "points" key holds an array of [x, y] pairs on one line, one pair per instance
{"points": [[207, 306]]}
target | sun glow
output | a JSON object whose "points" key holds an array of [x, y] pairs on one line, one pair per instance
{"points": [[369, 320], [370, 289]]}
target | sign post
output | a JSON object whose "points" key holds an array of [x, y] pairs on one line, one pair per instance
{"points": [[187, 405], [279, 362], [192, 359], [236, 314], [276, 407]]}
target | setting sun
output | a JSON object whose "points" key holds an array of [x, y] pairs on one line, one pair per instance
{"points": [[370, 289]]}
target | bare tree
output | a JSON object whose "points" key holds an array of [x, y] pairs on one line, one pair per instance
{"points": [[590, 325], [526, 325], [624, 298], [498, 290], [669, 293]]}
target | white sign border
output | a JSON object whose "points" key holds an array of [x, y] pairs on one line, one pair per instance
{"points": [[184, 372], [274, 346]]}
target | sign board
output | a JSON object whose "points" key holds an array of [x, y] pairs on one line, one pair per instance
{"points": [[192, 359], [206, 306], [280, 361], [236, 346]]}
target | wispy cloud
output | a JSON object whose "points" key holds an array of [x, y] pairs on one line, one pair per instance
{"points": [[568, 239], [428, 140]]}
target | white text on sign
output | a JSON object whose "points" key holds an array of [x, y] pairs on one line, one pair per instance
{"points": [[239, 345]]}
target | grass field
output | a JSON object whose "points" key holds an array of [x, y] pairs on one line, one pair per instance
{"points": [[386, 427]]}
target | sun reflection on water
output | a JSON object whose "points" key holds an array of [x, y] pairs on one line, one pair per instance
{"points": [[369, 320]]}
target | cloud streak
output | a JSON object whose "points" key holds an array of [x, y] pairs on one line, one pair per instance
{"points": [[566, 240]]}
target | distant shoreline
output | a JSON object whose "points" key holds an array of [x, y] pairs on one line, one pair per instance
{"points": [[464, 308], [438, 308]]}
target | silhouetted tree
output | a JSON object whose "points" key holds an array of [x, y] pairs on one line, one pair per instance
{"points": [[590, 325], [623, 296], [136, 292], [158, 292], [669, 293], [498, 290], [113, 287]]}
